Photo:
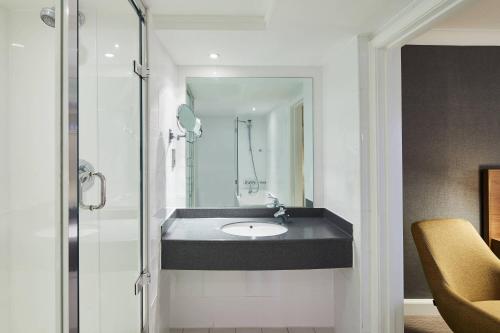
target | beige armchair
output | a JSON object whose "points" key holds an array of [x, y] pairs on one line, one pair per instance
{"points": [[462, 272]]}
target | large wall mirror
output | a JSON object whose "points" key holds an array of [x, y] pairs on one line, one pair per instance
{"points": [[257, 141]]}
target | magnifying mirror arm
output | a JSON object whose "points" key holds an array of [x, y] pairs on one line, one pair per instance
{"points": [[172, 136]]}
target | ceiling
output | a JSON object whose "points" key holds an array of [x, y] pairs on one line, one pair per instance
{"points": [[25, 4], [478, 14], [238, 96], [476, 23], [209, 7], [271, 32]]}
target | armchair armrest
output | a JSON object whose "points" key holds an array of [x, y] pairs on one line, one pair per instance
{"points": [[462, 315]]}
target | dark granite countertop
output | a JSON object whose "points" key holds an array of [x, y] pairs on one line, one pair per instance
{"points": [[316, 238]]}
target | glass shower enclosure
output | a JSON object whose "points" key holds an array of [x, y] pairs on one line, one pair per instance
{"points": [[73, 232], [110, 105]]}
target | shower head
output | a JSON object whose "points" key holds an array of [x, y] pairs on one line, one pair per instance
{"points": [[48, 16], [246, 122]]}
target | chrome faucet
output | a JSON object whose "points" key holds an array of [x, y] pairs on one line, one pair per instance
{"points": [[281, 213]]}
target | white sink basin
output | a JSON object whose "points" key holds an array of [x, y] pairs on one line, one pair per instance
{"points": [[254, 229]]}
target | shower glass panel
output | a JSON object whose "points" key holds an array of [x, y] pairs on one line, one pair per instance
{"points": [[110, 167], [30, 145]]}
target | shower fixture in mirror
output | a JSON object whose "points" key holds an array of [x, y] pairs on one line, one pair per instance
{"points": [[257, 140]]}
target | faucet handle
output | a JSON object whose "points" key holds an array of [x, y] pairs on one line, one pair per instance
{"points": [[271, 196]]}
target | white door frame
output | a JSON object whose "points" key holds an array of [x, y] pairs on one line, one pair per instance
{"points": [[382, 169]]}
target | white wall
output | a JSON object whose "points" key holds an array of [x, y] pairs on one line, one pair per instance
{"points": [[167, 183], [342, 173], [29, 157], [4, 171], [302, 298], [274, 298]]}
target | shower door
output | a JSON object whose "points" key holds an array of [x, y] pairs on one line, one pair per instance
{"points": [[110, 168]]}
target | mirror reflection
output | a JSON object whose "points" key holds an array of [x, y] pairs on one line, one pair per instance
{"points": [[186, 118], [257, 142]]}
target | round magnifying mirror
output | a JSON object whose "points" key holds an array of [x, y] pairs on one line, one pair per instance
{"points": [[186, 118]]}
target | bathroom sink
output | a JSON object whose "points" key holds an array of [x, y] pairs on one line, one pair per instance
{"points": [[254, 229], [252, 239]]}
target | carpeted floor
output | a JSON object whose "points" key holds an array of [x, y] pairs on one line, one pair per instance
{"points": [[425, 324]]}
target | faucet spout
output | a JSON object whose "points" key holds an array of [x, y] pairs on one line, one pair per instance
{"points": [[282, 214]]}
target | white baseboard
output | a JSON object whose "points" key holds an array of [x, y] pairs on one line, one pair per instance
{"points": [[420, 307]]}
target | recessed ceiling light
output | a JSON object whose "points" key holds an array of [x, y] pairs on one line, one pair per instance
{"points": [[214, 56], [253, 109], [117, 46], [109, 55], [17, 45]]}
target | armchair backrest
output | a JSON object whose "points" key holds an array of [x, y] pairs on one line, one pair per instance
{"points": [[454, 255]]}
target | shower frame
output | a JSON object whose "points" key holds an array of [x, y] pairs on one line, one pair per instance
{"points": [[236, 159], [69, 182]]}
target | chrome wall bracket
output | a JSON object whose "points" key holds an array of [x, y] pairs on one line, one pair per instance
{"points": [[84, 170], [172, 136], [143, 280], [141, 70]]}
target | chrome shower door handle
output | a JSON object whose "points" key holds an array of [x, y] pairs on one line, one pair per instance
{"points": [[103, 191], [102, 203]]}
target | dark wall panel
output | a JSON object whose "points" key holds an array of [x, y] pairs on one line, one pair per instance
{"points": [[451, 128]]}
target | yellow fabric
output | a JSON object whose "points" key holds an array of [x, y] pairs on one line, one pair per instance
{"points": [[491, 307], [462, 272]]}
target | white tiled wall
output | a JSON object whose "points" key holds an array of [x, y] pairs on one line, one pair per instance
{"points": [[342, 177], [167, 182], [302, 298]]}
